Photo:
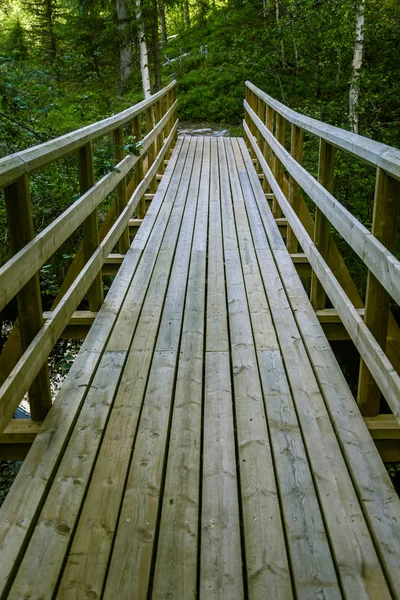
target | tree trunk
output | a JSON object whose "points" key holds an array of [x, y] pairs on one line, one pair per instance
{"points": [[125, 51], [186, 12], [163, 22], [357, 64], [144, 57], [156, 47]]}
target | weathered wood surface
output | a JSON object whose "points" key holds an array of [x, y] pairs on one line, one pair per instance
{"points": [[28, 160], [205, 443], [373, 355], [374, 153], [384, 266]]}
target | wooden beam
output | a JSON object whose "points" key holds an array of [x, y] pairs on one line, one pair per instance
{"points": [[20, 229], [296, 150], [139, 169], [384, 228], [322, 226], [90, 225], [17, 438], [278, 166], [383, 427], [121, 191]]}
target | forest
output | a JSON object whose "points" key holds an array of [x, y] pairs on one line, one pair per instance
{"points": [[67, 63]]}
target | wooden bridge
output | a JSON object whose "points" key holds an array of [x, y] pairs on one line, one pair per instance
{"points": [[205, 441]]}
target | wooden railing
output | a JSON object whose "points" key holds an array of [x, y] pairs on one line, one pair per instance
{"points": [[23, 364], [376, 335]]}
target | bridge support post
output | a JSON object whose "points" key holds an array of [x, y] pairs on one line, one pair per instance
{"points": [[30, 312], [384, 228], [90, 225], [321, 227], [139, 171], [151, 155], [278, 167], [296, 150], [119, 153]]}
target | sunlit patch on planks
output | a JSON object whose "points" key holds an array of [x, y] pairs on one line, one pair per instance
{"points": [[205, 442]]}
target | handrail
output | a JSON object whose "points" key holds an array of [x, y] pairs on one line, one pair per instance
{"points": [[133, 174], [378, 259], [369, 151], [26, 369], [32, 158], [265, 127], [379, 365], [15, 273]]}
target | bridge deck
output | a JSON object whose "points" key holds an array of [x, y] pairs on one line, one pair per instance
{"points": [[205, 441]]}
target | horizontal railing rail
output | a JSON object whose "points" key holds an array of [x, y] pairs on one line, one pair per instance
{"points": [[371, 152], [265, 129], [23, 362], [23, 265], [26, 161]]}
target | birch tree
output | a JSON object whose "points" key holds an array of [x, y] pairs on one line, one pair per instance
{"points": [[356, 68], [144, 55]]}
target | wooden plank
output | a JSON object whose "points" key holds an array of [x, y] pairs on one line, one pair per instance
{"points": [[20, 431], [103, 502], [377, 300], [39, 569], [378, 259], [86, 363], [383, 427], [90, 224], [28, 160], [29, 301], [139, 169], [312, 565], [217, 323], [176, 561], [372, 152], [20, 510], [221, 575], [322, 226], [381, 505], [379, 365], [266, 562]]}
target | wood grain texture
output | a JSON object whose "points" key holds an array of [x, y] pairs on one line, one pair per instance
{"points": [[378, 259], [28, 160], [374, 153]]}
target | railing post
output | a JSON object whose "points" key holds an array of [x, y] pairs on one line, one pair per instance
{"points": [[119, 153], [90, 225], [296, 150], [278, 167], [384, 228], [158, 112], [139, 172], [269, 123], [29, 301], [151, 155], [322, 227]]}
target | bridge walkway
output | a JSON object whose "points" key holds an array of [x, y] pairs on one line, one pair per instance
{"points": [[205, 442]]}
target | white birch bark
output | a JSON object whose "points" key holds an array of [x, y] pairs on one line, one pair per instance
{"points": [[144, 57], [356, 68]]}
